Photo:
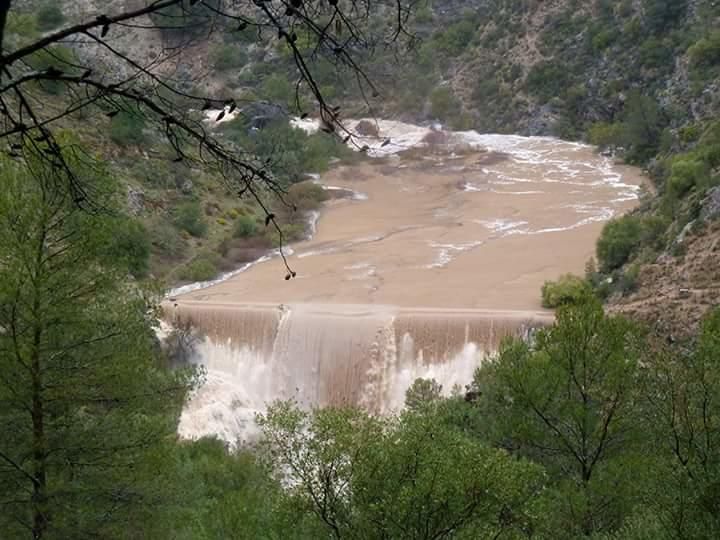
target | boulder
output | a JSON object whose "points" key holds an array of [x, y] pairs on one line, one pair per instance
{"points": [[186, 186], [261, 114], [366, 128], [135, 201], [711, 205]]}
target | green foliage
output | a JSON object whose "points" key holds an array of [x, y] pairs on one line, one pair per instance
{"points": [[227, 57], [444, 105], [452, 474], [604, 135], [568, 289], [422, 392], [661, 15], [166, 240], [245, 227], [189, 217], [567, 401], [455, 39], [49, 15], [547, 80], [683, 417], [126, 129], [278, 89], [306, 196], [684, 175], [229, 495], [199, 269], [92, 416], [706, 52], [301, 153], [129, 246], [59, 57], [617, 242], [643, 123]]}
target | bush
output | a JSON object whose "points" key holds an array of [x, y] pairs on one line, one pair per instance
{"points": [[618, 240], [189, 217], [278, 89], [307, 196], [226, 57], [245, 227], [127, 129], [59, 57], [49, 16], [130, 246], [568, 289], [628, 281], [547, 80], [684, 175], [443, 104], [603, 134], [166, 239], [199, 269]]}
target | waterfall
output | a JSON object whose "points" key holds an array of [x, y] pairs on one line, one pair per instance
{"points": [[323, 355]]}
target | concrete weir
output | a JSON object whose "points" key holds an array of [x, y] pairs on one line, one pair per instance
{"points": [[331, 354]]}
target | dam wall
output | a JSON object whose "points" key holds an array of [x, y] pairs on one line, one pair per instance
{"points": [[319, 355]]}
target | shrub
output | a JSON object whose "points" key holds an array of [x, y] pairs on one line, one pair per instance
{"points": [[49, 15], [245, 227], [130, 246], [199, 269], [619, 238], [58, 56], [568, 289], [226, 57], [684, 175], [127, 129], [189, 217], [307, 196], [604, 134], [628, 281], [443, 104], [547, 80], [278, 89], [166, 239], [291, 233]]}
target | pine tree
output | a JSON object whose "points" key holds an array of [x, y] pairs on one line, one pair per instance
{"points": [[87, 418]]}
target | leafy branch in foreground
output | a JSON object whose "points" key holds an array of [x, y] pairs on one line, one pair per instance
{"points": [[146, 87]]}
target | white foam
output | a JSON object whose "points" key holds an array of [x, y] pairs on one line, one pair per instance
{"points": [[183, 289], [211, 115], [501, 225], [447, 252]]}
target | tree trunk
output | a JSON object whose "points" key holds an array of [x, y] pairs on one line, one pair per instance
{"points": [[39, 497], [39, 494], [4, 8]]}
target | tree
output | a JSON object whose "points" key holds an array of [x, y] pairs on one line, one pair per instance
{"points": [[86, 414], [409, 477], [421, 393], [682, 404], [643, 123], [566, 401], [618, 241], [334, 30]]}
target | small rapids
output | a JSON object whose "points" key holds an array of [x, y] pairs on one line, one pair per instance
{"points": [[466, 225]]}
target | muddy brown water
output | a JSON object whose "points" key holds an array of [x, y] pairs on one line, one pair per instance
{"points": [[436, 258]]}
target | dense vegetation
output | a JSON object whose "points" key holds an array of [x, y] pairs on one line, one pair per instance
{"points": [[595, 428]]}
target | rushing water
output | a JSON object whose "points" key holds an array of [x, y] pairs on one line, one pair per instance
{"points": [[440, 254]]}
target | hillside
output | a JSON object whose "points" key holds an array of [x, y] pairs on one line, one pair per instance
{"points": [[639, 78]]}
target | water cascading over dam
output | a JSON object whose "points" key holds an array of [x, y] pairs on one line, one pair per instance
{"points": [[467, 225], [330, 355]]}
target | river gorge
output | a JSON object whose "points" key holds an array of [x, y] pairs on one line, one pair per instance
{"points": [[439, 253]]}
